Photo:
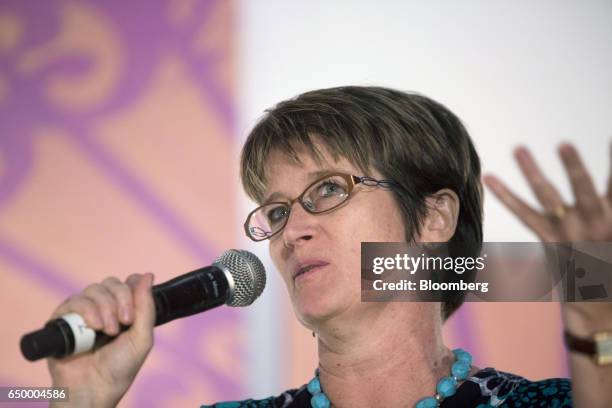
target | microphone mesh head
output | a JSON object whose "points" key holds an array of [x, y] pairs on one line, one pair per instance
{"points": [[248, 273]]}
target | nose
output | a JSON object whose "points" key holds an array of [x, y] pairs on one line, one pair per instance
{"points": [[300, 226]]}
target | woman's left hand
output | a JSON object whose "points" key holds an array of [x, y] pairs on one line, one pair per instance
{"points": [[589, 219]]}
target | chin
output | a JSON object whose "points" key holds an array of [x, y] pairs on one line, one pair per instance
{"points": [[322, 296], [313, 310]]}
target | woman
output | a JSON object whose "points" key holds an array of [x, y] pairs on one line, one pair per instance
{"points": [[337, 167]]}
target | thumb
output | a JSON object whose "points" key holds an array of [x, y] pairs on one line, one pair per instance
{"points": [[141, 330]]}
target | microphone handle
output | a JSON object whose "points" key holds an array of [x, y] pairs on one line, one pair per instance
{"points": [[191, 293], [185, 295]]}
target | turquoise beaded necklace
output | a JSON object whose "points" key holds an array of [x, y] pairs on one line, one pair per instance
{"points": [[446, 387]]}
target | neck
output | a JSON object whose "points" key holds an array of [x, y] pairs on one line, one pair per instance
{"points": [[390, 356]]}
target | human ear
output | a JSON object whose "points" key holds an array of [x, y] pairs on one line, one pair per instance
{"points": [[440, 221]]}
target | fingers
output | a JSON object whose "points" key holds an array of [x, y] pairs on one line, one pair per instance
{"points": [[545, 192], [587, 201], [123, 298], [106, 305], [530, 217], [144, 309], [85, 307]]}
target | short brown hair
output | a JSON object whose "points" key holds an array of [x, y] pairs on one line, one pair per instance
{"points": [[407, 137]]}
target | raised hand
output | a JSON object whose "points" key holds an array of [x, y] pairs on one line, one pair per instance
{"points": [[588, 219]]}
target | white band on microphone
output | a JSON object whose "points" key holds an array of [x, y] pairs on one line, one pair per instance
{"points": [[84, 337]]}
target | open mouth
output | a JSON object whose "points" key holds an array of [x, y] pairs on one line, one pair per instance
{"points": [[308, 270]]}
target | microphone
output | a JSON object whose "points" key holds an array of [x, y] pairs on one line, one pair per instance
{"points": [[236, 278]]}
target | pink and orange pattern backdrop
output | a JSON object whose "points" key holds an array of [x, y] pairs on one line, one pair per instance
{"points": [[117, 156]]}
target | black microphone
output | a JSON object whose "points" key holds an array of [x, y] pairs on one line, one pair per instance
{"points": [[236, 278]]}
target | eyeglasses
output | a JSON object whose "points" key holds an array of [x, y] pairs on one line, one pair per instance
{"points": [[323, 195]]}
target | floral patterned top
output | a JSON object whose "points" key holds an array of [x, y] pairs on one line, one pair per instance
{"points": [[487, 388]]}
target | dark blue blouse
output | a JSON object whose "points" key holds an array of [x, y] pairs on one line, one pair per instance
{"points": [[487, 388]]}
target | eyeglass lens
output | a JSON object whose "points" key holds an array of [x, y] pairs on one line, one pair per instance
{"points": [[323, 195]]}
